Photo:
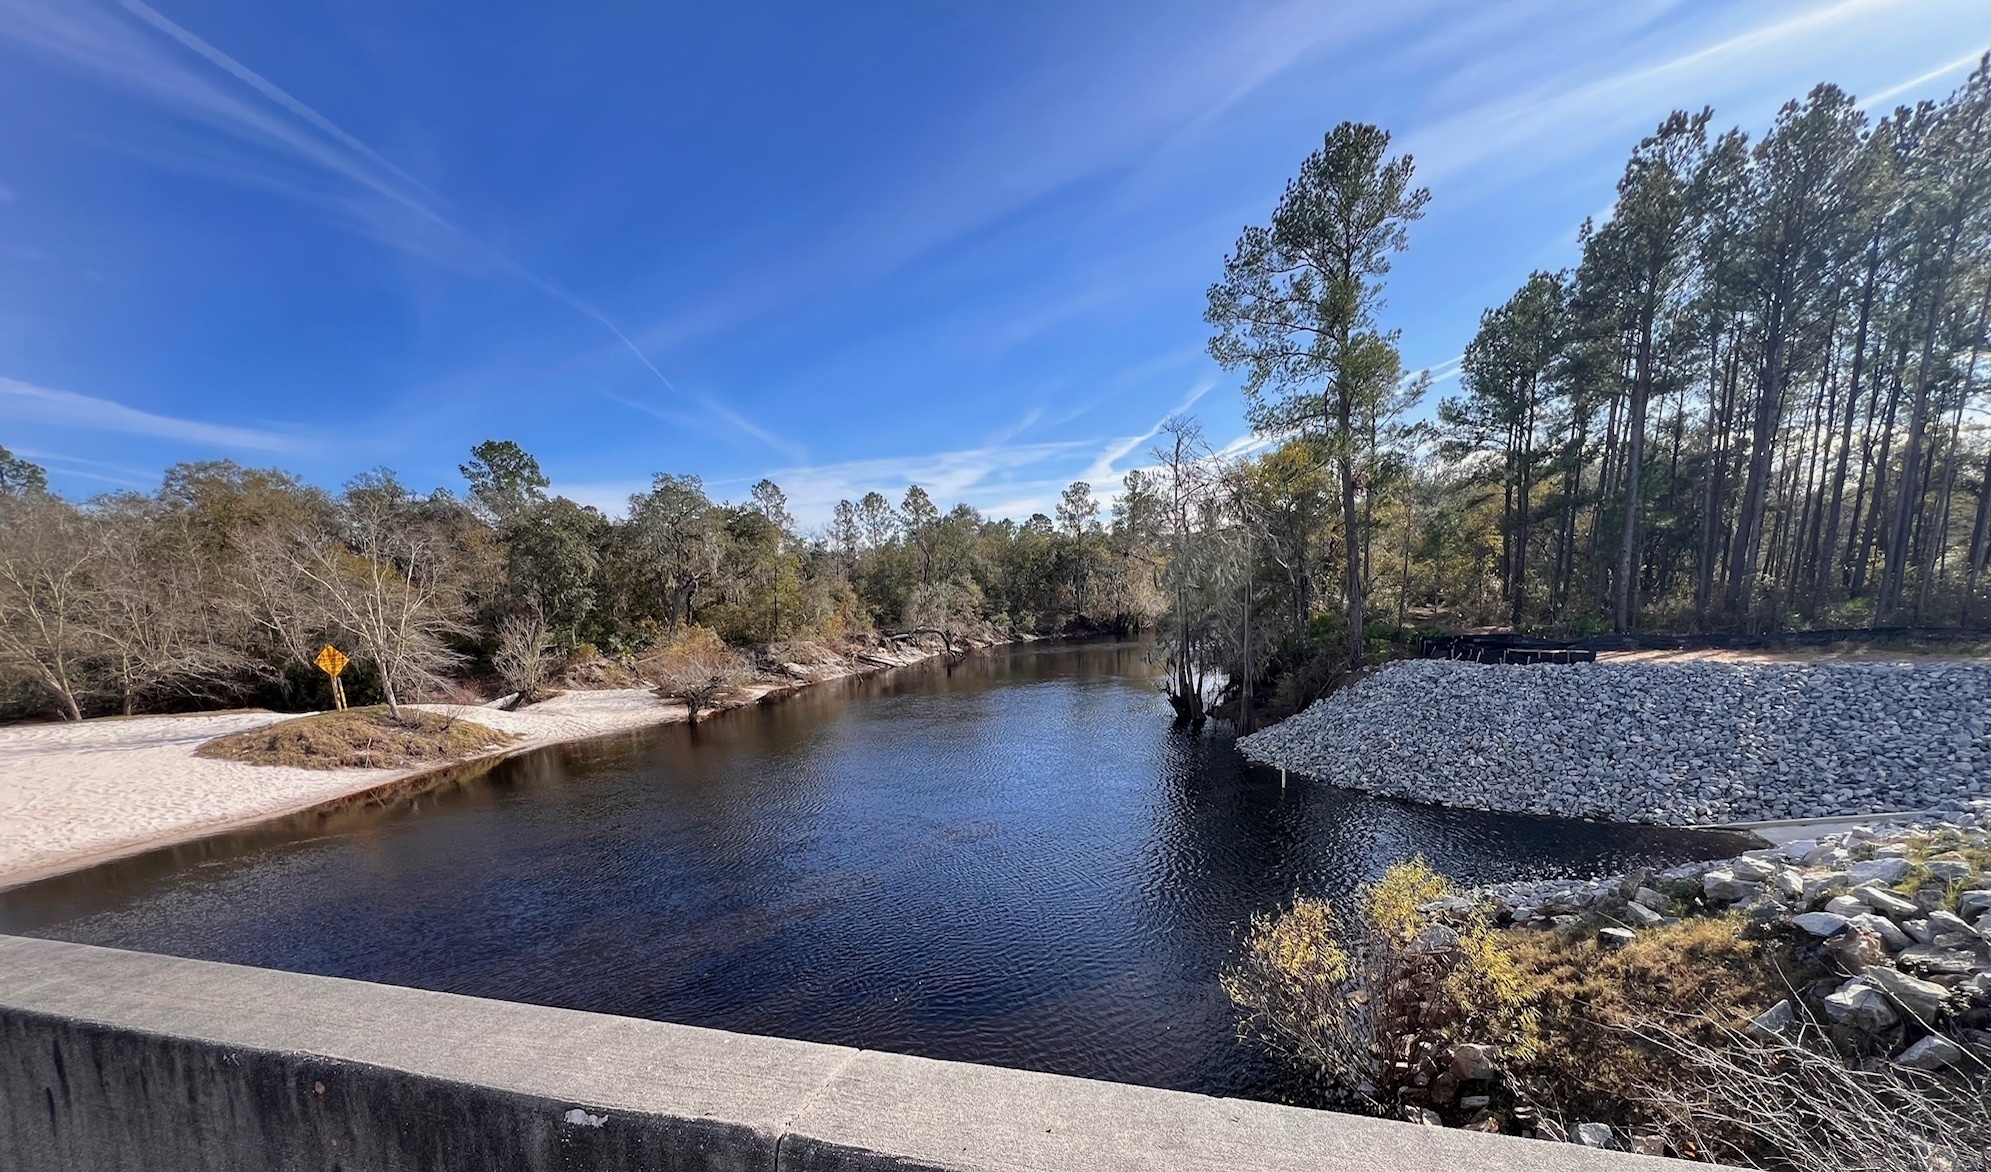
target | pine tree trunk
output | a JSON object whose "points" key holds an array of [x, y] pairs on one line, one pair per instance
{"points": [[1905, 506], [1719, 438], [1979, 532], [1527, 454], [1884, 458], [1756, 486], [1829, 542], [1624, 593], [1350, 521], [1935, 550]]}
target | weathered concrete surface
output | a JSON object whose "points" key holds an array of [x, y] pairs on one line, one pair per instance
{"points": [[116, 1060], [891, 1113]]}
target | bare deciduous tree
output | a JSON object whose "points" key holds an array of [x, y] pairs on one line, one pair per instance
{"points": [[275, 595], [387, 581], [1184, 481], [158, 611], [48, 594]]}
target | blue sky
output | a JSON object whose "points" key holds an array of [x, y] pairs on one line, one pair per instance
{"points": [[846, 246]]}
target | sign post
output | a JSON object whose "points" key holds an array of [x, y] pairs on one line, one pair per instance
{"points": [[332, 661]]}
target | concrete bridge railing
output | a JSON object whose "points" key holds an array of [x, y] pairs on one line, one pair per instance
{"points": [[115, 1060]]}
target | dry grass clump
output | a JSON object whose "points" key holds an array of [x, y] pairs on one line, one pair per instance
{"points": [[1793, 1103], [358, 738], [1702, 976]]}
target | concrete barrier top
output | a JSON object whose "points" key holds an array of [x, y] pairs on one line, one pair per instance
{"points": [[112, 1060]]}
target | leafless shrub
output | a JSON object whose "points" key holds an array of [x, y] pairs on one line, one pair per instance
{"points": [[697, 668], [525, 652], [1795, 1104]]}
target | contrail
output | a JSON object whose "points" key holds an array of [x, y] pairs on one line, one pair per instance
{"points": [[405, 190]]}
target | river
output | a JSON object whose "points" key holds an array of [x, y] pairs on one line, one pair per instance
{"points": [[1012, 859]]}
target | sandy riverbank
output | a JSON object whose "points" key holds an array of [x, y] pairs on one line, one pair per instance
{"points": [[74, 795]]}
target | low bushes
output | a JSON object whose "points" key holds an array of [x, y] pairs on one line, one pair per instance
{"points": [[1360, 1005], [696, 667], [1410, 1002]]}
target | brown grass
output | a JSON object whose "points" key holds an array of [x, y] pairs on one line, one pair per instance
{"points": [[1798, 1105], [358, 738], [1700, 975]]}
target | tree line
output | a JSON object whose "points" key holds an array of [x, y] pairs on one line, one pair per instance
{"points": [[221, 586], [1755, 403]]}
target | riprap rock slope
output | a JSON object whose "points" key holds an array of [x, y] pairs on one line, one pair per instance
{"points": [[1679, 743]]}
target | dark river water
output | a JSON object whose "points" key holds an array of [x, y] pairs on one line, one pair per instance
{"points": [[1010, 860]]}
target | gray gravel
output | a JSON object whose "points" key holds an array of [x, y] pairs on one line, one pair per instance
{"points": [[1674, 743]]}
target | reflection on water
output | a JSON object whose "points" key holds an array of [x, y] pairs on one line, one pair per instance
{"points": [[1010, 860]]}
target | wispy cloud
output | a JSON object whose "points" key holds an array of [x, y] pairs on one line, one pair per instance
{"points": [[96, 40], [198, 82], [1029, 420], [1101, 470], [1443, 371], [717, 419], [1874, 100], [1509, 137], [30, 403], [1120, 96], [1129, 378], [789, 448], [86, 469]]}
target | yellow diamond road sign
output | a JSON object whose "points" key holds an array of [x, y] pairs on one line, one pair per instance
{"points": [[331, 660]]}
